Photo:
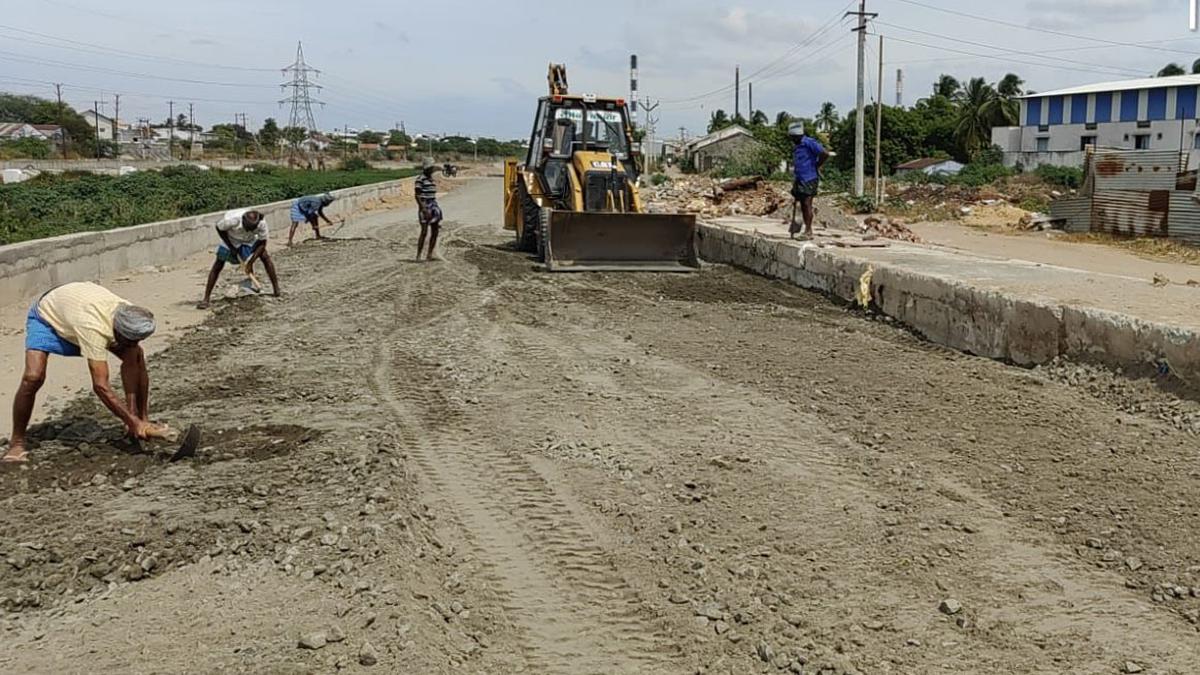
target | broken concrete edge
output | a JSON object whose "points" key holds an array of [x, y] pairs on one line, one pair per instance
{"points": [[1026, 331], [30, 267]]}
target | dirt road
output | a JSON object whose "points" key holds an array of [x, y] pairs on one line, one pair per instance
{"points": [[473, 466]]}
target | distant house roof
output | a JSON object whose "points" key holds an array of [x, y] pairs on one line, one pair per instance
{"points": [[1123, 85], [719, 136], [923, 163]]}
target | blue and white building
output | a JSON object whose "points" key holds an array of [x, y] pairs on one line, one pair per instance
{"points": [[1157, 113]]}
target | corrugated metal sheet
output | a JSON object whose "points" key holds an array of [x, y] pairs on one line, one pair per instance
{"points": [[1135, 169], [1183, 223], [1131, 213], [1075, 212]]}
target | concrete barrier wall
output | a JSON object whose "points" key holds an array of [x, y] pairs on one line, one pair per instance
{"points": [[969, 318], [29, 268]]}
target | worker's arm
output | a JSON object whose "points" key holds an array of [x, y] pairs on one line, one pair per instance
{"points": [[137, 427], [822, 159], [259, 247], [321, 213], [228, 243]]}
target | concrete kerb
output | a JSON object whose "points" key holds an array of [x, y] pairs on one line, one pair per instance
{"points": [[952, 312], [29, 268]]}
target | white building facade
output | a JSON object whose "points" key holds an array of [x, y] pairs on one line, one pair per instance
{"points": [[1149, 114]]}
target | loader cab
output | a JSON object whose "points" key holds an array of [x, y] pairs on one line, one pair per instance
{"points": [[567, 125]]}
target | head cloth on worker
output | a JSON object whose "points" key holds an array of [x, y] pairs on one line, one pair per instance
{"points": [[133, 323], [797, 130]]}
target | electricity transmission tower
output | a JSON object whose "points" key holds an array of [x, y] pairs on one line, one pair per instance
{"points": [[300, 88]]}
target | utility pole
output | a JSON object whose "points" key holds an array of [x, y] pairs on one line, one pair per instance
{"points": [[171, 130], [860, 137], [651, 125], [345, 141], [879, 130], [191, 130], [117, 120], [96, 115], [750, 112], [899, 87], [737, 91], [61, 129], [633, 87]]}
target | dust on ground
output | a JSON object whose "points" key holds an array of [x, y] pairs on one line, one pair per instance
{"points": [[476, 466]]}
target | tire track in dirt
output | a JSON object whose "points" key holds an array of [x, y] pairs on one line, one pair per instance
{"points": [[577, 614]]}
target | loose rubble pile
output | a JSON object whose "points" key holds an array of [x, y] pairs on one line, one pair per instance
{"points": [[891, 228], [749, 196], [997, 206]]}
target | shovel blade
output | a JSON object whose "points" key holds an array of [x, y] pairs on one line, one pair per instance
{"points": [[188, 444]]}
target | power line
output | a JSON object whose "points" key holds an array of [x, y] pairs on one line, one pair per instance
{"points": [[12, 56], [92, 48], [1005, 59], [1058, 50], [1037, 29], [12, 79], [826, 27], [301, 97], [1005, 50]]}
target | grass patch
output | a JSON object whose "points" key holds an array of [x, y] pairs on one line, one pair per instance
{"points": [[55, 204], [1146, 247]]}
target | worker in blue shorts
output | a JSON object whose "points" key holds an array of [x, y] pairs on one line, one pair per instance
{"points": [[244, 235]]}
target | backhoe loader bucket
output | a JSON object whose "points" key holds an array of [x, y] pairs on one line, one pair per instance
{"points": [[620, 242]]}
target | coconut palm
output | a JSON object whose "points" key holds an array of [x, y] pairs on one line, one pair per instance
{"points": [[783, 119], [980, 108], [947, 86], [828, 117], [1010, 88], [1172, 69], [718, 121]]}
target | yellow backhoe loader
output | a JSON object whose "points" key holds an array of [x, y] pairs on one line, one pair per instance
{"points": [[574, 201]]}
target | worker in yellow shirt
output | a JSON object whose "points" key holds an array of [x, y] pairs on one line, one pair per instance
{"points": [[88, 320]]}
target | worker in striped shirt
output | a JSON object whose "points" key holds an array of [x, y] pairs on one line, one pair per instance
{"points": [[429, 213]]}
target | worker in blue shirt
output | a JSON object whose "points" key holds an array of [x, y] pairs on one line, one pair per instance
{"points": [[807, 161]]}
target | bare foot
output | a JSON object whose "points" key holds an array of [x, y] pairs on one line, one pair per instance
{"points": [[203, 304], [16, 455]]}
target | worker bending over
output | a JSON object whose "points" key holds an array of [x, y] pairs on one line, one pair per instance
{"points": [[310, 209], [244, 235], [88, 320]]}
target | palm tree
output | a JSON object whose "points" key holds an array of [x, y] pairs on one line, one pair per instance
{"points": [[828, 117], [1196, 67], [947, 87], [1010, 88], [759, 119], [1171, 70], [718, 121], [980, 108], [783, 119]]}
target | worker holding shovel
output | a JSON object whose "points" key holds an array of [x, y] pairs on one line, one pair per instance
{"points": [[243, 234], [807, 160], [88, 320], [311, 210]]}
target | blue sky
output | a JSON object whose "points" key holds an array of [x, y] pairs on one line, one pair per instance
{"points": [[476, 67]]}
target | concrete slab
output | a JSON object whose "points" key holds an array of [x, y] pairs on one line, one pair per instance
{"points": [[1018, 310]]}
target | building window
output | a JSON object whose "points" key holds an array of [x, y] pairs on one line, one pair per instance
{"points": [[1043, 145], [1043, 128], [1088, 141], [1090, 126], [1143, 124], [1196, 141], [1141, 142]]}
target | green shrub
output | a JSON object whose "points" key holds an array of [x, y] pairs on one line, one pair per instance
{"points": [[354, 164], [659, 179], [1063, 176], [862, 204], [26, 148], [51, 205], [977, 175]]}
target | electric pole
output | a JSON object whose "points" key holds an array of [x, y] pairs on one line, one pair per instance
{"points": [[191, 130], [737, 92], [860, 137], [899, 87], [651, 124], [299, 89], [117, 120], [750, 111], [61, 129], [171, 130], [879, 130], [96, 115]]}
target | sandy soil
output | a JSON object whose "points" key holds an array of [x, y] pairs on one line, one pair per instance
{"points": [[473, 466]]}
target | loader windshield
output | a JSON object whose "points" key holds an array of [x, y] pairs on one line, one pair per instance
{"points": [[590, 128]]}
